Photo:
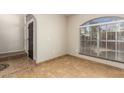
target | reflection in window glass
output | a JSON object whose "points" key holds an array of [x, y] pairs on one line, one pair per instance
{"points": [[122, 26], [94, 30], [93, 48], [111, 46], [102, 33], [103, 40], [111, 31], [120, 34], [111, 55], [102, 49], [120, 46]]}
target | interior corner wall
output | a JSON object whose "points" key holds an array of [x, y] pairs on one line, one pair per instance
{"points": [[73, 38], [11, 33], [51, 36]]}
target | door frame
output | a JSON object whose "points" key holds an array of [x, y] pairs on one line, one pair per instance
{"points": [[34, 37]]}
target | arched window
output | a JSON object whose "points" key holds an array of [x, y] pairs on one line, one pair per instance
{"points": [[102, 20], [103, 37]]}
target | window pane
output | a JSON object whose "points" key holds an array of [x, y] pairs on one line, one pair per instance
{"points": [[111, 55], [87, 47], [102, 32], [120, 52], [94, 32], [111, 52], [82, 34], [121, 35], [110, 46], [111, 30], [121, 32], [102, 49], [121, 46], [121, 56], [81, 47], [122, 26], [93, 48]]}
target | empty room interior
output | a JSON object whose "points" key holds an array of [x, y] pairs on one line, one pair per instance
{"points": [[61, 45]]}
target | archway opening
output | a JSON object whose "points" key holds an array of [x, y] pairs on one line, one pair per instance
{"points": [[30, 36]]}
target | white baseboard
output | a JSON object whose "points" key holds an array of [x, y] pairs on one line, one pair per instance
{"points": [[107, 62], [11, 51]]}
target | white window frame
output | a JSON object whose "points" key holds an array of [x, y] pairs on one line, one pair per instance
{"points": [[106, 23]]}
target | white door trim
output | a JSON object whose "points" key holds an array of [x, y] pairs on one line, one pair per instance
{"points": [[34, 37]]}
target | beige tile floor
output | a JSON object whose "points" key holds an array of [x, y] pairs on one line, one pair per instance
{"points": [[16, 65], [62, 67]]}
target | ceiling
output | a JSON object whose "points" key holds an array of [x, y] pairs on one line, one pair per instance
{"points": [[68, 14]]}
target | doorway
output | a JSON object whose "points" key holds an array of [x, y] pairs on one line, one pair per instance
{"points": [[31, 36], [30, 40]]}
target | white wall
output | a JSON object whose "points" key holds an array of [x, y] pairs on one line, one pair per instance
{"points": [[74, 22], [51, 36], [11, 33]]}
